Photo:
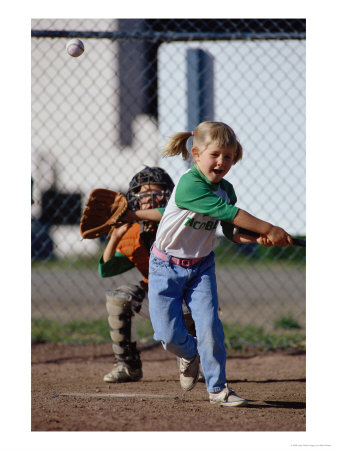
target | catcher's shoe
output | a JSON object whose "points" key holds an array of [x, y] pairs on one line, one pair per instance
{"points": [[189, 372], [227, 397], [122, 373]]}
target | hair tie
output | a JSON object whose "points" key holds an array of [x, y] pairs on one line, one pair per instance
{"points": [[192, 133]]}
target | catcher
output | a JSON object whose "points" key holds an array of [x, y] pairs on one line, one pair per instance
{"points": [[128, 247]]}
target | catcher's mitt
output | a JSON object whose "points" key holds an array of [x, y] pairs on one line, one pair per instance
{"points": [[102, 211]]}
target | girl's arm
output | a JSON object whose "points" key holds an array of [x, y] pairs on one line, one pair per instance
{"points": [[241, 238], [269, 234], [236, 235]]}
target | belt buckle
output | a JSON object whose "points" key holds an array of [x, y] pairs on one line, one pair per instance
{"points": [[185, 262]]}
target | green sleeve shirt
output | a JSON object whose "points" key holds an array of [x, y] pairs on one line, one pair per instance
{"points": [[196, 206]]}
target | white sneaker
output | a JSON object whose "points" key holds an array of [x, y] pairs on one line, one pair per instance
{"points": [[201, 377], [227, 397], [122, 373], [189, 372]]}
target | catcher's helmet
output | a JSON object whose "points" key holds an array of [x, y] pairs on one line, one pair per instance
{"points": [[149, 175]]}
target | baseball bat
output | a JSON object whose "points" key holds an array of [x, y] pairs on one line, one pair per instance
{"points": [[297, 242]]}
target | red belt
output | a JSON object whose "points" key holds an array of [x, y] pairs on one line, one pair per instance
{"points": [[174, 260]]}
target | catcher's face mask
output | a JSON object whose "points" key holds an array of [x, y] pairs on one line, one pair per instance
{"points": [[150, 196], [144, 183]]}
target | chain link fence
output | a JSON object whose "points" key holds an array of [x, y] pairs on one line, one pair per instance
{"points": [[99, 118]]}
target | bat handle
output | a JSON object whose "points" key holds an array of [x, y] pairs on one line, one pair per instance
{"points": [[299, 242]]}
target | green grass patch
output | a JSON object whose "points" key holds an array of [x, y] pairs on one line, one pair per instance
{"points": [[287, 323], [238, 338], [244, 339], [69, 262], [75, 331]]}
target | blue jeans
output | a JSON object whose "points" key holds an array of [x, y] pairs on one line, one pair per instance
{"points": [[169, 284]]}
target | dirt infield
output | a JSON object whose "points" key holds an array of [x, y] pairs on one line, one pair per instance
{"points": [[68, 393]]}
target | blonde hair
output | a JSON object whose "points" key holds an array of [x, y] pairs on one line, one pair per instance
{"points": [[205, 133]]}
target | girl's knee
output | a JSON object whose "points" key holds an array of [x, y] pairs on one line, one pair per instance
{"points": [[171, 340]]}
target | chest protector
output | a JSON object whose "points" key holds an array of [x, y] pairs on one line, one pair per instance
{"points": [[135, 246]]}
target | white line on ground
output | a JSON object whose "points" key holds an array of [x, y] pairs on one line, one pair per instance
{"points": [[114, 395]]}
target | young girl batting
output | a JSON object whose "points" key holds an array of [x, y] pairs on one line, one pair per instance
{"points": [[182, 258]]}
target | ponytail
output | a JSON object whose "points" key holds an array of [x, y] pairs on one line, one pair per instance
{"points": [[205, 133], [176, 145]]}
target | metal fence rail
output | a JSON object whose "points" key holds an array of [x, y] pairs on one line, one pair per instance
{"points": [[99, 118]]}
